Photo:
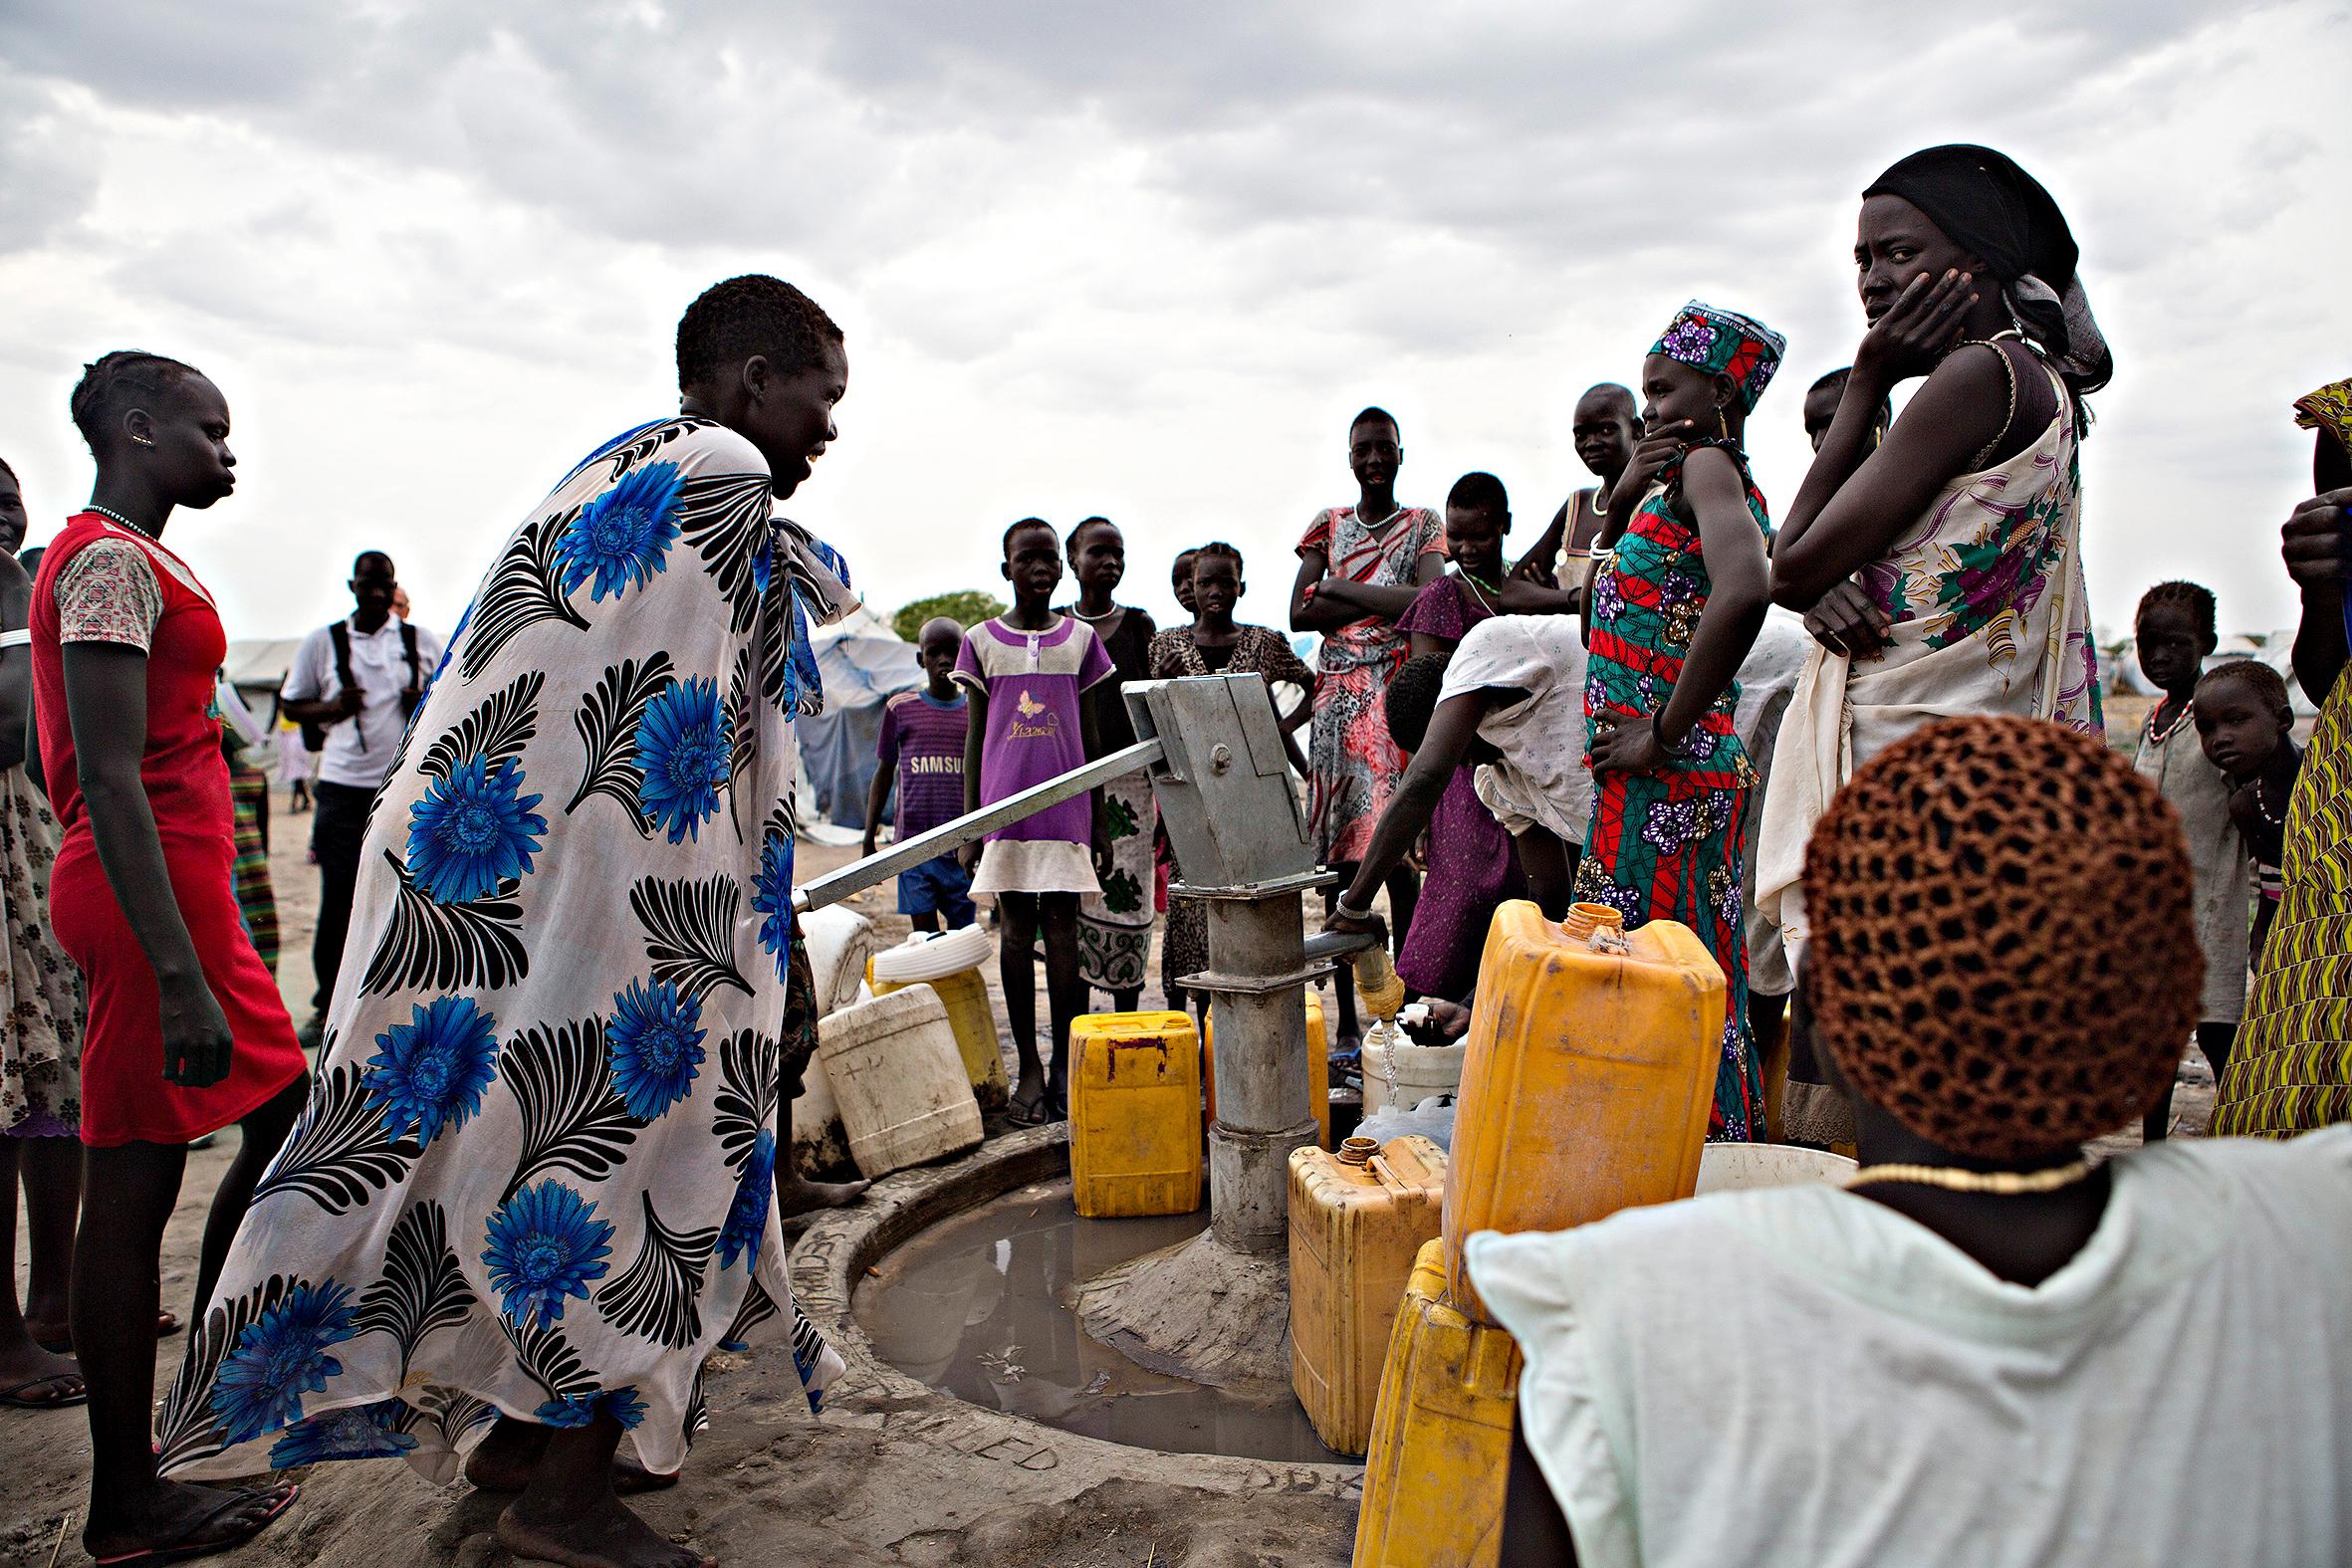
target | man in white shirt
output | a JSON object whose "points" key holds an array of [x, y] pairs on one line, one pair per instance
{"points": [[359, 680]]}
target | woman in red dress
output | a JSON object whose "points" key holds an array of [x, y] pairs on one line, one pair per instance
{"points": [[187, 1031]]}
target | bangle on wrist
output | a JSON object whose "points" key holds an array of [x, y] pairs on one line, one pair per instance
{"points": [[1658, 733], [1340, 908]]}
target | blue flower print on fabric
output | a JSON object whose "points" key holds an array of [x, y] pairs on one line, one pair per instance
{"points": [[682, 752], [543, 1247], [473, 830], [621, 1403], [619, 539], [655, 1043], [429, 1073], [808, 682], [772, 899], [747, 1216], [357, 1431], [281, 1356], [1608, 597], [1690, 339]]}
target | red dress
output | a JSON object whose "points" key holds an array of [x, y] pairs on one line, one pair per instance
{"points": [[164, 608]]}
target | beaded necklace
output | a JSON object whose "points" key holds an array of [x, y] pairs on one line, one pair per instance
{"points": [[2263, 804], [2008, 1184], [2158, 738]]}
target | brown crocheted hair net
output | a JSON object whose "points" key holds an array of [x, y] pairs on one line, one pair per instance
{"points": [[2003, 951]]}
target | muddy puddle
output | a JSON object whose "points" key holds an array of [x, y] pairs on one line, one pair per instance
{"points": [[978, 1307]]}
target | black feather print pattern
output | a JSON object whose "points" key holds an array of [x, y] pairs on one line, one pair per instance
{"points": [[744, 735], [648, 443], [447, 946], [496, 731], [726, 518], [421, 1287], [547, 1359], [690, 931], [337, 1155], [460, 1416], [698, 1408], [758, 1307], [188, 1428], [607, 721], [776, 645], [522, 590], [572, 1120], [750, 1066], [655, 1296]]}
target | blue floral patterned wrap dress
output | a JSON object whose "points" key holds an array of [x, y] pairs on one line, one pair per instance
{"points": [[534, 1176]]}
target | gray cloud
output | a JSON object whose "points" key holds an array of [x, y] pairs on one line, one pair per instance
{"points": [[1139, 250]]}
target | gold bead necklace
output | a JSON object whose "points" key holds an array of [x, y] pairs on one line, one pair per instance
{"points": [[2008, 1183]]}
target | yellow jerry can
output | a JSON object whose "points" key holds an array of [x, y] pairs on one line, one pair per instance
{"points": [[1319, 1066], [1134, 1114], [1589, 1076], [1441, 1438], [1358, 1218]]}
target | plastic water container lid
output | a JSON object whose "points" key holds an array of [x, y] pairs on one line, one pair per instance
{"points": [[925, 955]]}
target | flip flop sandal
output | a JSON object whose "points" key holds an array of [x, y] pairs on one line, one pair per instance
{"points": [[12, 1397], [1031, 1114], [167, 1323], [190, 1552]]}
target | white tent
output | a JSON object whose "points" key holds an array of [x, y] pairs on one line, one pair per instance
{"points": [[863, 663]]}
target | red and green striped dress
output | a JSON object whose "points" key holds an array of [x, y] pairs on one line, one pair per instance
{"points": [[1671, 846]]}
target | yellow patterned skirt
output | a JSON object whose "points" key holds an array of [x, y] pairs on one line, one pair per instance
{"points": [[2291, 1069]]}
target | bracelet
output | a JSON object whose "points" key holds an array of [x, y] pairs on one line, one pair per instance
{"points": [[1658, 733], [1341, 909]]}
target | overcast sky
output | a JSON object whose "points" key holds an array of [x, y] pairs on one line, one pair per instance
{"points": [[1143, 261]]}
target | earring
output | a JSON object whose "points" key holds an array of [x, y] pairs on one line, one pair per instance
{"points": [[1722, 423], [143, 440]]}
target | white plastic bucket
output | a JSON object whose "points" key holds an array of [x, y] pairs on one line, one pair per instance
{"points": [[838, 940], [925, 955], [1399, 1074], [899, 1078], [1742, 1166]]}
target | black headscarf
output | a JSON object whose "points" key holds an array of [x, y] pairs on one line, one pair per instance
{"points": [[1984, 201]]}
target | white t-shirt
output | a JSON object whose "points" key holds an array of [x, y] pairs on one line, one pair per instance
{"points": [[1804, 1376], [1541, 779], [359, 751]]}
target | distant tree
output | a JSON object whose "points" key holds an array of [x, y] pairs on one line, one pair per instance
{"points": [[968, 609]]}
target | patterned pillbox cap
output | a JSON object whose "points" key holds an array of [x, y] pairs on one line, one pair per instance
{"points": [[1725, 343]]}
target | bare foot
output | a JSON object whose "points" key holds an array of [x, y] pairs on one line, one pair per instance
{"points": [[503, 1459], [171, 1516], [799, 1195], [602, 1534]]}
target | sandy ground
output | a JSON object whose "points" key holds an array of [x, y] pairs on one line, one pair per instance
{"points": [[765, 1486]]}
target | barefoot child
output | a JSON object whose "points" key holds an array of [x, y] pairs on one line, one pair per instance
{"points": [[2246, 725], [1671, 616], [1028, 672], [2175, 636], [921, 747]]}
